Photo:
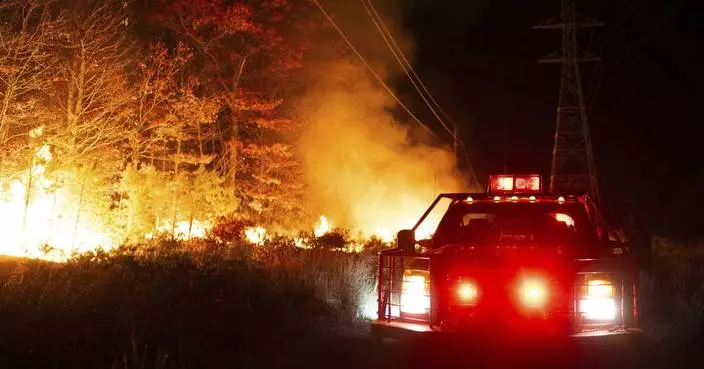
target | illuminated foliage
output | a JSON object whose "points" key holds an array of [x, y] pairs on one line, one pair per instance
{"points": [[246, 54], [24, 72], [146, 136]]}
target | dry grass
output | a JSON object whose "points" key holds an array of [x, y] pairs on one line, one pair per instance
{"points": [[679, 277], [169, 304], [672, 301], [344, 281]]}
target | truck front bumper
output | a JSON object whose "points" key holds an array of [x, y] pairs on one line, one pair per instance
{"points": [[401, 330]]}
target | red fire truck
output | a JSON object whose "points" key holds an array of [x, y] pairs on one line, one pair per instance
{"points": [[512, 259]]}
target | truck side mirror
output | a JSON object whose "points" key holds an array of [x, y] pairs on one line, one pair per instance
{"points": [[612, 237], [617, 241], [617, 235], [406, 241]]}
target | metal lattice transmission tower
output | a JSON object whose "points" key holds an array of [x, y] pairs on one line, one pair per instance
{"points": [[573, 169]]}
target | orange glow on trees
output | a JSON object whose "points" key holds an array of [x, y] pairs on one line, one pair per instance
{"points": [[106, 139], [248, 52]]}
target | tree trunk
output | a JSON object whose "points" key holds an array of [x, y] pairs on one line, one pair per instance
{"points": [[200, 146], [78, 212], [177, 163], [80, 93], [131, 210], [234, 124], [190, 221], [9, 92], [71, 91], [27, 197], [234, 142]]}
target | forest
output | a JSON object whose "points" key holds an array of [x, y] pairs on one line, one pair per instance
{"points": [[123, 120]]}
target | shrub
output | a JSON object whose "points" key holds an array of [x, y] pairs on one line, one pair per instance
{"points": [[230, 228], [159, 305], [176, 304], [345, 281], [679, 272], [672, 296]]}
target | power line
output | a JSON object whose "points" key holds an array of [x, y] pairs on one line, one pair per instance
{"points": [[469, 163], [595, 76], [374, 73], [415, 79], [600, 8], [401, 59], [598, 74], [594, 90]]}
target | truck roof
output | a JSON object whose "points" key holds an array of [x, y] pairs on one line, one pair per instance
{"points": [[481, 197]]}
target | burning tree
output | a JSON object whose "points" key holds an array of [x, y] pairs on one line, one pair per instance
{"points": [[86, 126], [174, 129], [247, 51], [24, 66], [64, 107]]}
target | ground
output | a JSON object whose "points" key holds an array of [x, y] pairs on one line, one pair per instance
{"points": [[362, 352]]}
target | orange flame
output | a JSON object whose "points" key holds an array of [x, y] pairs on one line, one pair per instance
{"points": [[43, 220], [255, 235], [323, 227]]}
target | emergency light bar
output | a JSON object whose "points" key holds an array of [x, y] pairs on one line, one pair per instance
{"points": [[509, 183]]}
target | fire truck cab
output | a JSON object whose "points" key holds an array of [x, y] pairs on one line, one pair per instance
{"points": [[513, 259]]}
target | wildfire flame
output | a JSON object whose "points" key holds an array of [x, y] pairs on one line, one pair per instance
{"points": [[323, 227], [44, 219], [255, 235], [186, 230], [384, 234], [41, 219]]}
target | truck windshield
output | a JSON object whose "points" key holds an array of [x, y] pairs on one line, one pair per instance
{"points": [[515, 224]]}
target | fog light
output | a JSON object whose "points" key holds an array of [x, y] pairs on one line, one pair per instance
{"points": [[534, 293], [467, 293]]}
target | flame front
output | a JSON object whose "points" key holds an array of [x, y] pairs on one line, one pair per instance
{"points": [[41, 219], [255, 235], [185, 230], [49, 219], [323, 227]]}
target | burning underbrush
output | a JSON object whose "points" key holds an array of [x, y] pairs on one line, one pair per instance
{"points": [[53, 213], [177, 304]]}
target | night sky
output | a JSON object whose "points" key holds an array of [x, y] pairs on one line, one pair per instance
{"points": [[479, 58]]}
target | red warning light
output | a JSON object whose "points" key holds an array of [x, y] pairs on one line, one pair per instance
{"points": [[515, 184], [503, 183], [528, 183]]}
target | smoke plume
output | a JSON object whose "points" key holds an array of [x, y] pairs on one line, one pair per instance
{"points": [[363, 168]]}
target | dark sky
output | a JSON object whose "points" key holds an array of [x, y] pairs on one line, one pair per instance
{"points": [[479, 58]]}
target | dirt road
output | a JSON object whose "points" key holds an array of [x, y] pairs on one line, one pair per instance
{"points": [[362, 352]]}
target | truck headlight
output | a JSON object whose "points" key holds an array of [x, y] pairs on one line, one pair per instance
{"points": [[415, 292], [597, 301]]}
